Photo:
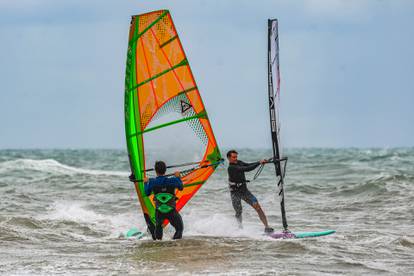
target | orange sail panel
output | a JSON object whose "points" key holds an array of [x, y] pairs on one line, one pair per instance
{"points": [[165, 118]]}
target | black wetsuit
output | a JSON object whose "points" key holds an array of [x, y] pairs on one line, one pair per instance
{"points": [[162, 184], [238, 187]]}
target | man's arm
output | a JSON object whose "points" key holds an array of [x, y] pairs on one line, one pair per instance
{"points": [[178, 182], [148, 185], [246, 167]]}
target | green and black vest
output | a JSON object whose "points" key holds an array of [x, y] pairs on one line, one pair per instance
{"points": [[164, 198]]}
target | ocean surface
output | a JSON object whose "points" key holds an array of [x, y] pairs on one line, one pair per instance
{"points": [[62, 213]]}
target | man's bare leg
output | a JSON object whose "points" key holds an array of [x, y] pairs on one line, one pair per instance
{"points": [[261, 214]]}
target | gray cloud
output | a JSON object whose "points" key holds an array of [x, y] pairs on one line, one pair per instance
{"points": [[346, 70]]}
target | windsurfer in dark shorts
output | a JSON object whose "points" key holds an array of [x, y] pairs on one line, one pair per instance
{"points": [[163, 188], [238, 187]]}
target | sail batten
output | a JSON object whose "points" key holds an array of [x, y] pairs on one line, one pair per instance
{"points": [[182, 63], [169, 124], [134, 40]]}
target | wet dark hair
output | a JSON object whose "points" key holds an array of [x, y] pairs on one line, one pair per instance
{"points": [[230, 152], [160, 167]]}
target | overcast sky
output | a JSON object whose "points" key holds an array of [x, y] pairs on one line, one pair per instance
{"points": [[346, 66]]}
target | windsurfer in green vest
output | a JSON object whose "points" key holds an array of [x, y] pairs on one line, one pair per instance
{"points": [[163, 188], [238, 187]]}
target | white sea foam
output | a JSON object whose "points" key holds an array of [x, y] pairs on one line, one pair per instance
{"points": [[52, 166], [218, 225], [79, 212], [73, 211]]}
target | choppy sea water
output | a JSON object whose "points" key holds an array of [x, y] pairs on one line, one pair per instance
{"points": [[62, 211]]}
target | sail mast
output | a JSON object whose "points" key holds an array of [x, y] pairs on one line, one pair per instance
{"points": [[274, 89]]}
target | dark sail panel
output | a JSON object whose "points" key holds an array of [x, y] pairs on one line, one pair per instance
{"points": [[274, 100]]}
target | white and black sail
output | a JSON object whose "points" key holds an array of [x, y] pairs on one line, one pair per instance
{"points": [[274, 99]]}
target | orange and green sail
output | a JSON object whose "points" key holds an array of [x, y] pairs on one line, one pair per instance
{"points": [[159, 84]]}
